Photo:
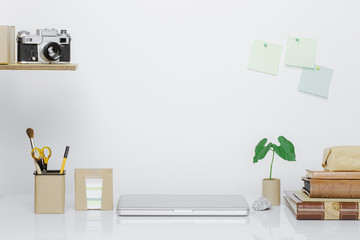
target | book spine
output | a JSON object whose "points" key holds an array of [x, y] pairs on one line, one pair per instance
{"points": [[310, 211], [334, 188], [328, 211]]}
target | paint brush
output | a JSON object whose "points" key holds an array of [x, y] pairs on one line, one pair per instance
{"points": [[30, 133]]}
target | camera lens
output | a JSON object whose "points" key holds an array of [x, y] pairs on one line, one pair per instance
{"points": [[51, 51]]}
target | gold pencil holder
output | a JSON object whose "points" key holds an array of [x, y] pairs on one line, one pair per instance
{"points": [[50, 192]]}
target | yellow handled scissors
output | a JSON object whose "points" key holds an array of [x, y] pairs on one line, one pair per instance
{"points": [[40, 155]]}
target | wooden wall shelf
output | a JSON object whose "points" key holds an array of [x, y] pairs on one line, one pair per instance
{"points": [[39, 66]]}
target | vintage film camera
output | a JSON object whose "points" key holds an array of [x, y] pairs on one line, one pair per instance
{"points": [[46, 46]]}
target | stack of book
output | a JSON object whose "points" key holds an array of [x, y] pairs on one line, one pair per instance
{"points": [[326, 196]]}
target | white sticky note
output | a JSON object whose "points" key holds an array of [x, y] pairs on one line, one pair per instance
{"points": [[93, 193]]}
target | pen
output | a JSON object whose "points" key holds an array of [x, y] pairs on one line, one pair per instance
{"points": [[64, 160]]}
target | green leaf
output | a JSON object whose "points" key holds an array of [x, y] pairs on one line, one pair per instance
{"points": [[261, 150], [286, 149]]}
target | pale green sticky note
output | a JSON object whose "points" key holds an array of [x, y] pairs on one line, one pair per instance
{"points": [[316, 81], [265, 57], [300, 52]]}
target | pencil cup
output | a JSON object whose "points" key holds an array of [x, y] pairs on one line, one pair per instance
{"points": [[50, 192]]}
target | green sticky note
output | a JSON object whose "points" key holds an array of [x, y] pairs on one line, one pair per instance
{"points": [[265, 57], [300, 52], [316, 81]]}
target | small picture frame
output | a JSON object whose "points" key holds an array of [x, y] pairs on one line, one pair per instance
{"points": [[93, 189]]}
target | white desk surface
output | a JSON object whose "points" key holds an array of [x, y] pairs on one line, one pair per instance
{"points": [[17, 221]]}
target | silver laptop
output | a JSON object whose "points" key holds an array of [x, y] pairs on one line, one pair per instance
{"points": [[182, 205]]}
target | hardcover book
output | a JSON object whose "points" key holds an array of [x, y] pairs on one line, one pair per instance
{"points": [[332, 188], [332, 175], [321, 210]]}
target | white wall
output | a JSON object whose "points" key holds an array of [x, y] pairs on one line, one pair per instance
{"points": [[163, 96]]}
